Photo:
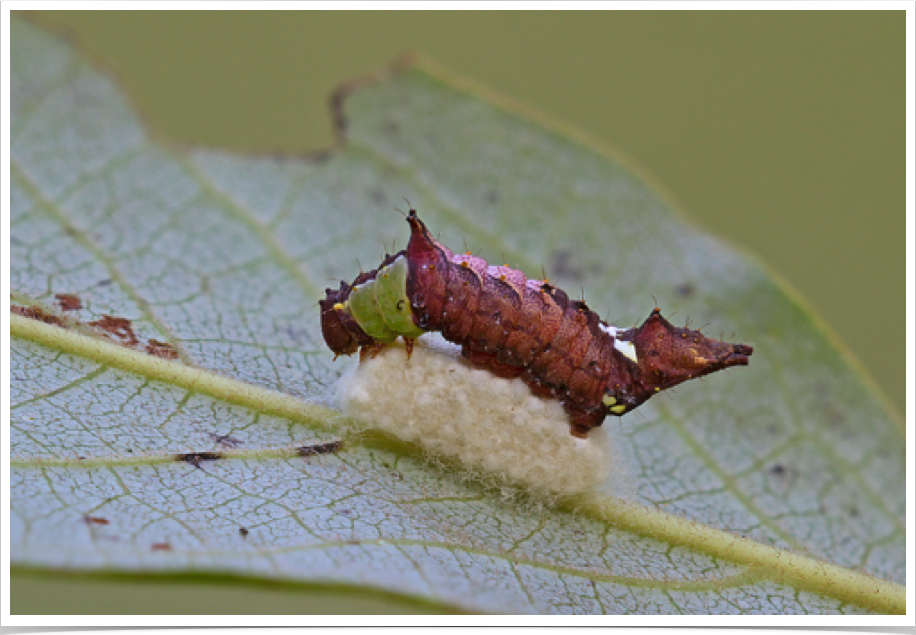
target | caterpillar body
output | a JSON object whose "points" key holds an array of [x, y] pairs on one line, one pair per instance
{"points": [[516, 327]]}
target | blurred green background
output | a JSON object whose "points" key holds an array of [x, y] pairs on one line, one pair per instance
{"points": [[782, 132]]}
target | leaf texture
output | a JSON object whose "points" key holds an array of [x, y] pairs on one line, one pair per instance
{"points": [[220, 259]]}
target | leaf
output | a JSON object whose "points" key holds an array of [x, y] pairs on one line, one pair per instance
{"points": [[775, 489]]}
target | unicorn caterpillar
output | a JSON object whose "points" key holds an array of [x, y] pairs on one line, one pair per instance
{"points": [[516, 327]]}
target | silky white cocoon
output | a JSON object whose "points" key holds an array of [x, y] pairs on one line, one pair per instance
{"points": [[495, 427]]}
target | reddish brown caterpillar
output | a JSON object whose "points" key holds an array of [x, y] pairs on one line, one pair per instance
{"points": [[517, 327]]}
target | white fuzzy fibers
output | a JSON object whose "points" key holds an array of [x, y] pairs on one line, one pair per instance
{"points": [[495, 427]]}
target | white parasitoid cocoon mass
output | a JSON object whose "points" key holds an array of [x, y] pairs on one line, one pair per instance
{"points": [[496, 428]]}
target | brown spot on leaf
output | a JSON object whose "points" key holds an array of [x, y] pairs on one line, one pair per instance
{"points": [[225, 440], [196, 458], [69, 301], [122, 328], [95, 520], [321, 448], [161, 546], [243, 531], [161, 349], [34, 313]]}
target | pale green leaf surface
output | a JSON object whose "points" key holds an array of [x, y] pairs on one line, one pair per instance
{"points": [[224, 257]]}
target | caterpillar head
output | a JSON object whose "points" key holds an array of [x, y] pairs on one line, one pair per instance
{"points": [[341, 331], [333, 322]]}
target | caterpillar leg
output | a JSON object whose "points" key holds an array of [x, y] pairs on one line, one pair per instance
{"points": [[369, 351], [581, 421]]}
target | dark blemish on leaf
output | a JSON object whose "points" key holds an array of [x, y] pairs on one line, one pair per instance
{"points": [[854, 512], [321, 448], [95, 520], [685, 290], [34, 313], [69, 301], [563, 267], [377, 196], [778, 469], [196, 458], [492, 197], [225, 440], [161, 349], [161, 546], [243, 532], [122, 328], [319, 158], [103, 283], [392, 128], [345, 512]]}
